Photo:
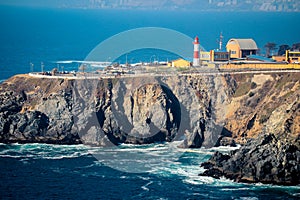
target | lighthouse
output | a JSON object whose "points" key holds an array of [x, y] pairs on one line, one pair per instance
{"points": [[196, 60]]}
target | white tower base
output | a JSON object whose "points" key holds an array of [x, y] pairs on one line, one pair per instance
{"points": [[196, 62]]}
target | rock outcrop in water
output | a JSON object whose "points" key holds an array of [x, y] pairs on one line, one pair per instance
{"points": [[266, 159], [264, 112]]}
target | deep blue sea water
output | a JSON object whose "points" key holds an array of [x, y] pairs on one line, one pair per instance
{"points": [[47, 35], [37, 171]]}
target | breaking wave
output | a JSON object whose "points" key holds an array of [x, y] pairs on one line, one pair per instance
{"points": [[163, 161]]}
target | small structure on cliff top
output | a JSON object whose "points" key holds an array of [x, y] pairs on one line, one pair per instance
{"points": [[241, 48], [179, 63], [196, 60]]}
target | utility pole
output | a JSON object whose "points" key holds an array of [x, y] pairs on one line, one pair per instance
{"points": [[221, 42], [42, 66], [31, 67]]}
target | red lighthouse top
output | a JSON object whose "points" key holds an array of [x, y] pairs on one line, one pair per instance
{"points": [[196, 41]]}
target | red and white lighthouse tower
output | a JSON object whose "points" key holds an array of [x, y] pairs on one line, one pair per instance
{"points": [[196, 60]]}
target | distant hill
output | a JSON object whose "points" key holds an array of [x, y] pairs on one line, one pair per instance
{"points": [[200, 5]]}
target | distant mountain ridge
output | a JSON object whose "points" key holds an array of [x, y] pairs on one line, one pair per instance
{"points": [[213, 5]]}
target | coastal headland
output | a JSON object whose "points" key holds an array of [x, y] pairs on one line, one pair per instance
{"points": [[203, 110]]}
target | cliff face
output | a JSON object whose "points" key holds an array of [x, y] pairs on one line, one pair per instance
{"points": [[112, 111], [265, 103], [146, 110], [265, 108], [265, 159]]}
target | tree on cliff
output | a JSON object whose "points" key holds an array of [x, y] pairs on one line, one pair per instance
{"points": [[296, 47], [283, 48], [270, 47]]}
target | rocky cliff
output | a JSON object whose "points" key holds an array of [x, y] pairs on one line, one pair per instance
{"points": [[146, 110], [264, 103], [266, 159], [261, 111], [264, 113], [113, 111]]}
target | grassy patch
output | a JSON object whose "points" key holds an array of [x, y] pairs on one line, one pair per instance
{"points": [[287, 78], [253, 85], [181, 69], [264, 118], [242, 89], [267, 111], [287, 95]]}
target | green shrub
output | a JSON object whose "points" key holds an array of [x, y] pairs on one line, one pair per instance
{"points": [[253, 85], [242, 89], [251, 94]]}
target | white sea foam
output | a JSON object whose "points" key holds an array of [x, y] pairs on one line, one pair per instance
{"points": [[225, 148], [12, 156], [295, 194], [145, 187], [165, 160], [82, 62], [144, 178], [248, 198], [43, 151], [279, 187], [74, 155], [67, 61]]}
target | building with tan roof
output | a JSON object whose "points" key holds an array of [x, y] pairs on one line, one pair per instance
{"points": [[241, 48]]}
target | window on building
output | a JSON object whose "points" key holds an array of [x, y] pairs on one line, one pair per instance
{"points": [[233, 52]]}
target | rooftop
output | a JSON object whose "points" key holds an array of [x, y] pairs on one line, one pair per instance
{"points": [[245, 44]]}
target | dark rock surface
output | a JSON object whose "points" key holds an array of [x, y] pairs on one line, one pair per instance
{"points": [[266, 159], [226, 141]]}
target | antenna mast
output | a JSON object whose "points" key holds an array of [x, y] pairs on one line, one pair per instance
{"points": [[221, 41]]}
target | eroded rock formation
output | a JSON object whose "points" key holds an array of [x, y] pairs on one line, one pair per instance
{"points": [[113, 111], [144, 110], [266, 159]]}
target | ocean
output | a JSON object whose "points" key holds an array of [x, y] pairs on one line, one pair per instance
{"points": [[35, 35], [42, 171]]}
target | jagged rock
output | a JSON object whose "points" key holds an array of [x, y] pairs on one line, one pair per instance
{"points": [[108, 111], [193, 140], [226, 141], [272, 106], [24, 127], [267, 159]]}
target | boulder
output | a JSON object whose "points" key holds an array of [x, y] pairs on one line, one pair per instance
{"points": [[226, 141], [266, 159]]}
